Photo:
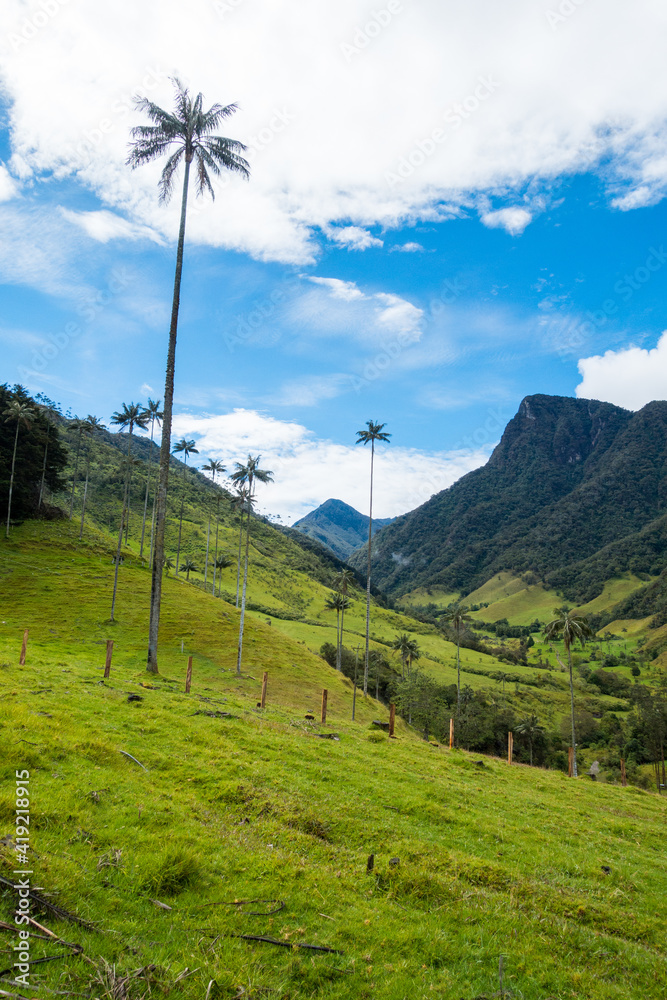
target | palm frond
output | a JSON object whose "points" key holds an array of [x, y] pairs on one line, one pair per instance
{"points": [[166, 185]]}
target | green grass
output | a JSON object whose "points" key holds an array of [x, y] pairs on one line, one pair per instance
{"points": [[492, 860]]}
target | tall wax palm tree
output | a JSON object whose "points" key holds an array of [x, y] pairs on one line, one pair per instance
{"points": [[49, 409], [414, 653], [248, 475], [458, 618], [77, 425], [186, 134], [154, 415], [343, 582], [91, 425], [132, 415], [221, 562], [239, 505], [372, 434], [337, 602], [189, 566], [21, 413], [572, 628], [214, 468], [401, 644], [530, 727], [185, 448]]}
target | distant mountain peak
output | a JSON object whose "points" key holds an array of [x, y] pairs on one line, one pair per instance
{"points": [[339, 526]]}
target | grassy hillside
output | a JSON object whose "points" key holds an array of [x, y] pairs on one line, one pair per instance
{"points": [[472, 859]]}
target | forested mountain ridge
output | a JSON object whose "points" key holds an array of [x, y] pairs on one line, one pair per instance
{"points": [[338, 526], [569, 478]]}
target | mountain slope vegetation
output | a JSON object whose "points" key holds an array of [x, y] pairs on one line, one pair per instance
{"points": [[574, 494], [339, 527]]}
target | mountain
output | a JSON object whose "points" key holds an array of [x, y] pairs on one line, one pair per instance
{"points": [[575, 493], [339, 527]]}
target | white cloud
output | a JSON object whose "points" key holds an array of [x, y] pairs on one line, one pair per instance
{"points": [[7, 184], [323, 129], [514, 220], [104, 226], [406, 248], [630, 377], [367, 316], [309, 470], [354, 238], [339, 289]]}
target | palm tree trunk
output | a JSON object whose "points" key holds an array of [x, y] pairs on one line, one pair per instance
{"points": [[76, 469], [208, 533], [148, 484], [150, 557], [165, 447], [368, 573], [338, 653], [245, 584], [85, 494], [11, 478], [342, 626], [215, 558], [574, 745], [458, 673], [122, 524], [46, 450], [180, 524], [238, 561]]}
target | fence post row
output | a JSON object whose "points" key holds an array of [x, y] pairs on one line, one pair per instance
{"points": [[265, 681], [392, 718], [188, 676], [107, 662], [324, 704]]}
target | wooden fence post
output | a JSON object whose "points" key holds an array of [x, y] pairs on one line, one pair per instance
{"points": [[570, 762], [510, 747], [188, 676], [23, 649], [451, 733], [324, 704], [624, 779], [265, 681], [107, 663], [392, 718]]}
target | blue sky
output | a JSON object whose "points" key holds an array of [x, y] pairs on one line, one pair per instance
{"points": [[447, 212]]}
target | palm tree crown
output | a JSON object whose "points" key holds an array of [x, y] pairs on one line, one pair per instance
{"points": [[188, 128], [372, 434]]}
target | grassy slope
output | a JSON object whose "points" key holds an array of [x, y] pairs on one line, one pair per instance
{"points": [[492, 859]]}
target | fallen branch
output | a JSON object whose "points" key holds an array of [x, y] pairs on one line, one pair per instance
{"points": [[287, 944], [247, 902], [36, 961]]}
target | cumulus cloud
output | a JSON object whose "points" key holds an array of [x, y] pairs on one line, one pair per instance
{"points": [[7, 184], [324, 128], [368, 316], [630, 377], [104, 226], [309, 470], [514, 220], [406, 248], [354, 238]]}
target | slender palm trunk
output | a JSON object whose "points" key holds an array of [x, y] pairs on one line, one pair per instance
{"points": [[46, 451], [342, 626], [76, 470], [245, 584], [122, 524], [215, 558], [208, 534], [150, 558], [85, 494], [180, 523], [458, 672], [574, 745], [11, 478], [338, 651], [368, 573], [165, 447], [238, 562], [148, 484]]}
